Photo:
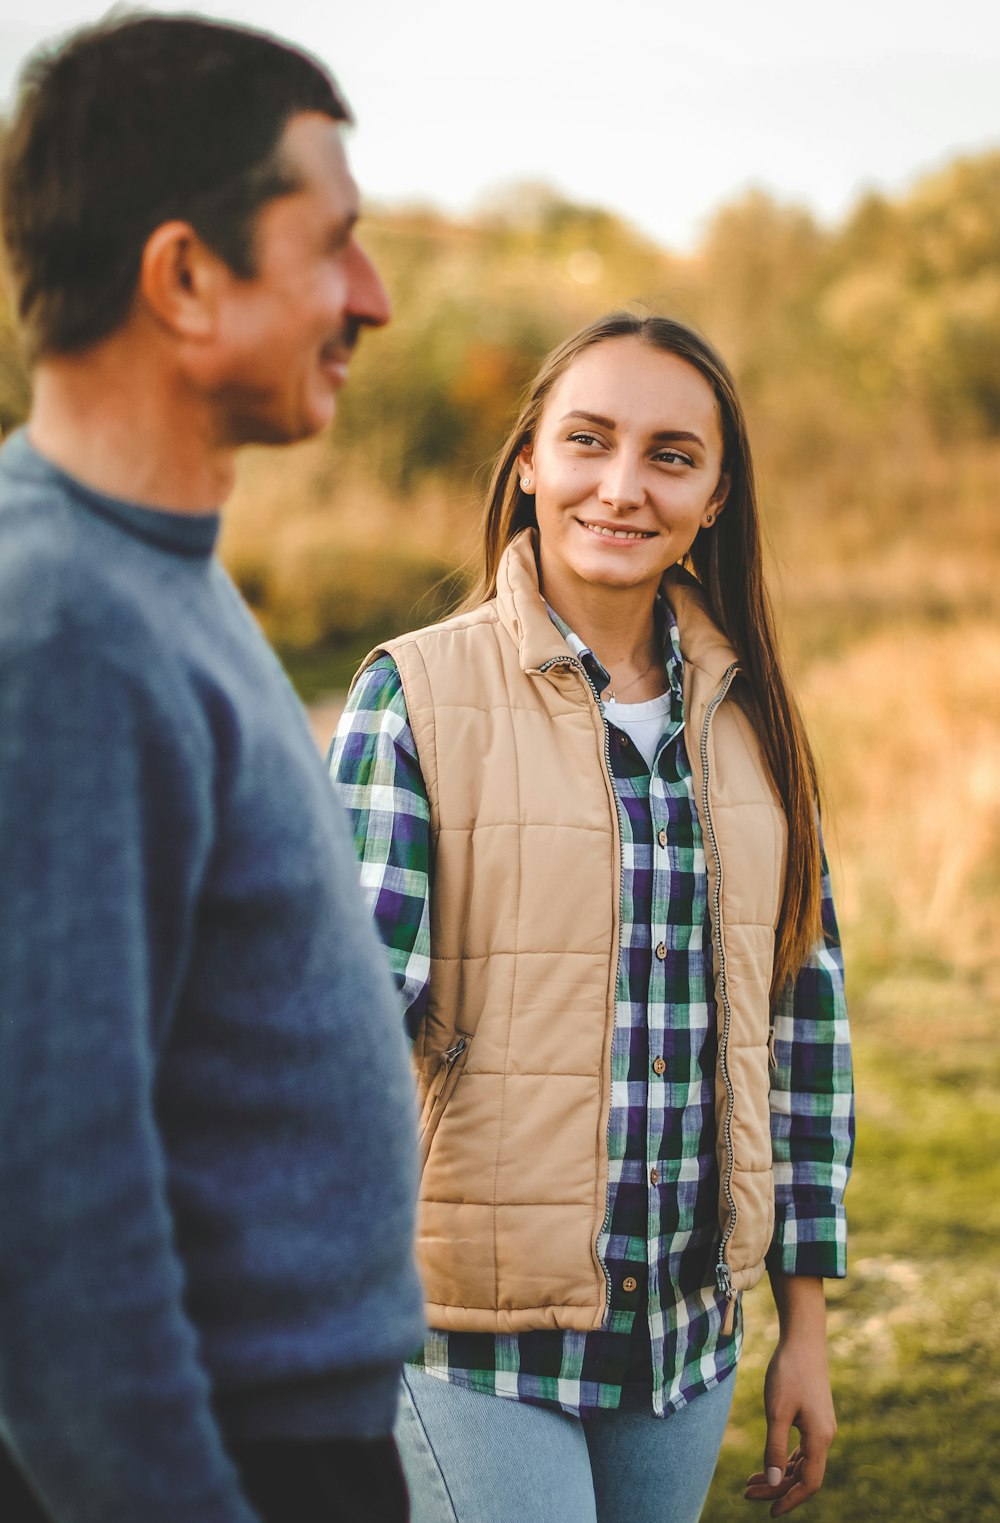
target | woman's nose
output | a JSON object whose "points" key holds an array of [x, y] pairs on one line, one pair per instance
{"points": [[621, 482]]}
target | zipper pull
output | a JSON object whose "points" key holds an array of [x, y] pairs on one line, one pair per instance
{"points": [[448, 1058], [725, 1287], [772, 1056]]}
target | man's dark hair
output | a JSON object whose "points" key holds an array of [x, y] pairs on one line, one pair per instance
{"points": [[129, 124]]}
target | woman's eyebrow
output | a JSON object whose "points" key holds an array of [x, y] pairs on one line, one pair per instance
{"points": [[662, 435], [588, 417], [672, 435]]}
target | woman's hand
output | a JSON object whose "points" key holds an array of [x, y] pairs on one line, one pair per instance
{"points": [[796, 1394]]}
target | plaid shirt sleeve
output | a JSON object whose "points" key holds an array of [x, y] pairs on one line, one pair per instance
{"points": [[812, 1112], [374, 763]]}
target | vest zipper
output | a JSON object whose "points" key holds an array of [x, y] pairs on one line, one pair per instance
{"points": [[438, 1094], [448, 1060], [723, 1277], [573, 661]]}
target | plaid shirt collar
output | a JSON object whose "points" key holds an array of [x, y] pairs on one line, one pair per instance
{"points": [[598, 674]]}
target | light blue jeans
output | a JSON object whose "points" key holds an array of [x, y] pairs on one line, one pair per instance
{"points": [[473, 1458]]}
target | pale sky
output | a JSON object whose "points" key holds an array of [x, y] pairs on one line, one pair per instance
{"points": [[657, 110]]}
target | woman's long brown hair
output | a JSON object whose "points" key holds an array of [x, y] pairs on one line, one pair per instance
{"points": [[727, 561]]}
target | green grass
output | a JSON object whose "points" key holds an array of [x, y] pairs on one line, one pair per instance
{"points": [[914, 1330], [319, 672]]}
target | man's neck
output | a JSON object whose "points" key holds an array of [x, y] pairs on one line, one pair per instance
{"points": [[123, 427]]}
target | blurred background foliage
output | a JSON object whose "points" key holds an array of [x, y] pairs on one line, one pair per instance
{"points": [[869, 360], [867, 355]]}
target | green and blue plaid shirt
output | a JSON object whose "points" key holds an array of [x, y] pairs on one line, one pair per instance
{"points": [[662, 1343]]}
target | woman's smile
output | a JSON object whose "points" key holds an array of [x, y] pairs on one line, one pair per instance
{"points": [[612, 531]]}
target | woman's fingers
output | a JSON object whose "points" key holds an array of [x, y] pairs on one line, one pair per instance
{"points": [[807, 1480], [801, 1478]]}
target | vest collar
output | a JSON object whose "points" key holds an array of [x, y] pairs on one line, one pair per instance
{"points": [[521, 608], [522, 612], [703, 645]]}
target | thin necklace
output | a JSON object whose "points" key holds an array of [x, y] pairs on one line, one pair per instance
{"points": [[613, 692]]}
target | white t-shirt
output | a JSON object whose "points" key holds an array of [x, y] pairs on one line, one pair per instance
{"points": [[643, 723]]}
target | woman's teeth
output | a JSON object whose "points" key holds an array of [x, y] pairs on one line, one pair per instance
{"points": [[617, 533]]}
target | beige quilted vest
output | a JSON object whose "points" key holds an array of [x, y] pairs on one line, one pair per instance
{"points": [[514, 1054]]}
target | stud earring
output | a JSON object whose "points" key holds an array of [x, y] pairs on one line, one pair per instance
{"points": [[525, 482], [709, 520]]}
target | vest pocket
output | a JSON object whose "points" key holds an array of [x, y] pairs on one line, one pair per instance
{"points": [[441, 1089]]}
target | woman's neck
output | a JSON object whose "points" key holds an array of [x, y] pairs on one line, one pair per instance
{"points": [[619, 626]]}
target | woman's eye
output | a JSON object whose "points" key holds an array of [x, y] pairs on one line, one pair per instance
{"points": [[583, 439], [674, 457]]}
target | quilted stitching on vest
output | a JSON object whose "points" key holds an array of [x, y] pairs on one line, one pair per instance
{"points": [[514, 1186]]}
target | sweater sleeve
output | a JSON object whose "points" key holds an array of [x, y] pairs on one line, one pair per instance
{"points": [[374, 762], [812, 1112], [104, 1403]]}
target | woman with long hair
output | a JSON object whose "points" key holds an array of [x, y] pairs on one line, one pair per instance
{"points": [[586, 812]]}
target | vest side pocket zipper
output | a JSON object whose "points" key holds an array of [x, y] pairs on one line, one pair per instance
{"points": [[453, 1061], [448, 1060]]}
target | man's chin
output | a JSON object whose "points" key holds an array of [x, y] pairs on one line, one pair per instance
{"points": [[265, 430]]}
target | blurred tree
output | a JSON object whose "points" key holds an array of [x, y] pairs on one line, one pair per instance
{"points": [[867, 356]]}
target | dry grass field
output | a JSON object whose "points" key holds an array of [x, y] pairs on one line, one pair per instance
{"points": [[907, 724]]}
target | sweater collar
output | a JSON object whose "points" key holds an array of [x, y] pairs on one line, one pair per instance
{"points": [[192, 535]]}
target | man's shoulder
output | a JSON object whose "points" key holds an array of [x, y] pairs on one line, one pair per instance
{"points": [[65, 575], [41, 566]]}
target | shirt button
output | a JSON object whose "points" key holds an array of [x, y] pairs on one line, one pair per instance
{"points": [[630, 1283], [662, 838], [659, 1066], [661, 951], [622, 738], [654, 1176]]}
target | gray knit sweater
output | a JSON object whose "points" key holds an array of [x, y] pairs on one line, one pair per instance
{"points": [[207, 1173]]}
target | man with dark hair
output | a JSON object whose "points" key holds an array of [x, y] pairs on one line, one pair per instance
{"points": [[207, 1172]]}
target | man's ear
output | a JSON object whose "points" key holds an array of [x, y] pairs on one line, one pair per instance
{"points": [[181, 280]]}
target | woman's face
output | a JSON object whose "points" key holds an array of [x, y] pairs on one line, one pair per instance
{"points": [[625, 467]]}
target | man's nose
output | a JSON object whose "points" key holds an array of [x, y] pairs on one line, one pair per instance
{"points": [[367, 299]]}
